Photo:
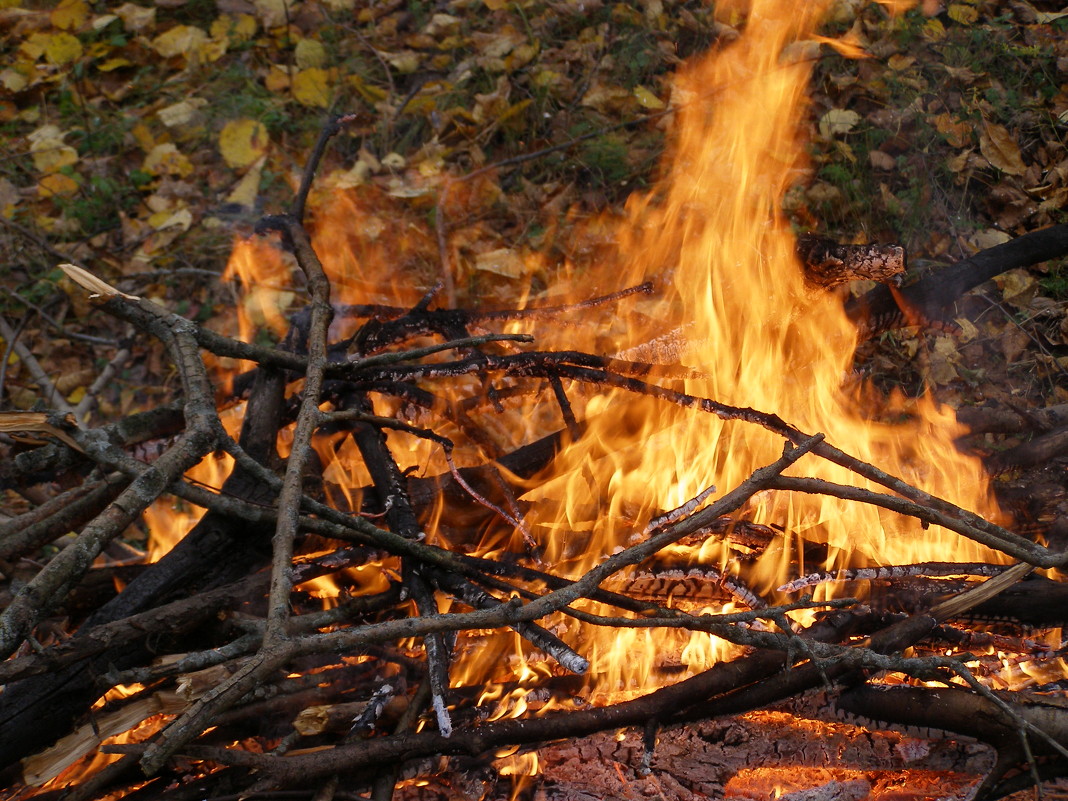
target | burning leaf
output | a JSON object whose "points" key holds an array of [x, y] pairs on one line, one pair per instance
{"points": [[837, 122], [1001, 150], [311, 87], [242, 142]]}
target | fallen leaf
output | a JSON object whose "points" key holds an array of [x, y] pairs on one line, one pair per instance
{"points": [[241, 142], [503, 261], [311, 87], [988, 238], [69, 15], [248, 188], [114, 64], [57, 184], [956, 132], [136, 18], [1001, 150], [965, 15], [181, 113], [880, 160], [647, 99], [837, 122], [165, 159], [50, 153], [309, 53], [272, 13], [179, 41], [63, 48]]}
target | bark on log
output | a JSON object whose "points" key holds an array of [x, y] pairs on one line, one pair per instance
{"points": [[829, 264]]}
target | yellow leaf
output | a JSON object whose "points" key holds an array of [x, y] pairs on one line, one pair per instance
{"points": [[166, 159], [277, 80], [34, 45], [70, 15], [50, 154], [237, 29], [1001, 150], [309, 53], [57, 184], [114, 64], [179, 40], [311, 87], [136, 18], [495, 5], [244, 194], [63, 48], [900, 62], [965, 15], [242, 142], [837, 122], [647, 99]]}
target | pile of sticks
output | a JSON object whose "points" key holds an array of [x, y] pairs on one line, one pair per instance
{"points": [[263, 691]]}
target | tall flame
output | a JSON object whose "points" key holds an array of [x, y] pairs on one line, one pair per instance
{"points": [[714, 237]]}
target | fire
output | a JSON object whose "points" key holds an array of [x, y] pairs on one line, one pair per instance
{"points": [[731, 304], [714, 237]]}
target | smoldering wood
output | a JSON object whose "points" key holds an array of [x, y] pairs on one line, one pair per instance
{"points": [[828, 264]]}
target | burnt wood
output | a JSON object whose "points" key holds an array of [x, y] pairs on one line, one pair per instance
{"points": [[925, 302]]}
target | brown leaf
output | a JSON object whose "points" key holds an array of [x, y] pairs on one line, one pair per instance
{"points": [[1001, 150]]}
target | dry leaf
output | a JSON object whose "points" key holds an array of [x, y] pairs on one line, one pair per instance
{"points": [[63, 48], [57, 184], [309, 53], [165, 159], [241, 142], [311, 87], [181, 113], [837, 122], [180, 40], [647, 99], [50, 154], [1001, 150], [503, 261], [69, 15], [965, 15], [136, 18], [244, 194]]}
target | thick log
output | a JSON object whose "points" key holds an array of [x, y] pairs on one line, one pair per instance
{"points": [[924, 302]]}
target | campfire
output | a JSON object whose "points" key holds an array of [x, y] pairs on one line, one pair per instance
{"points": [[643, 518]]}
